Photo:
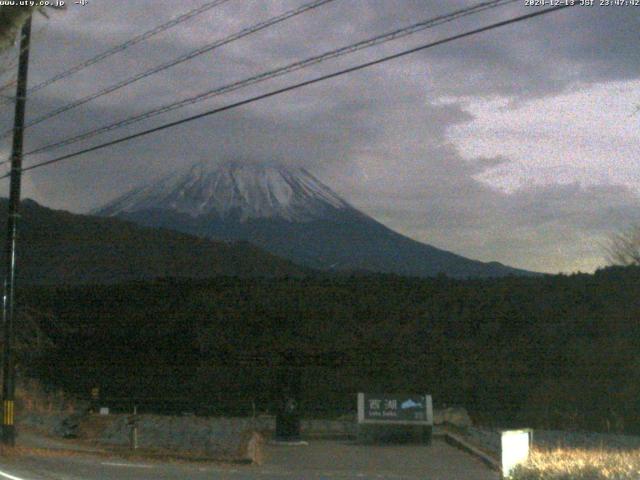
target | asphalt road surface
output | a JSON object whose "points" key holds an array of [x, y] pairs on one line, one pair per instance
{"points": [[319, 460]]}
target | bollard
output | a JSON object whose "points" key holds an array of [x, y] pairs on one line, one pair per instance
{"points": [[134, 437], [515, 446], [133, 434]]}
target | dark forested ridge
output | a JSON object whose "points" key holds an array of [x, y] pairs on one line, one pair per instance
{"points": [[58, 247], [553, 351]]}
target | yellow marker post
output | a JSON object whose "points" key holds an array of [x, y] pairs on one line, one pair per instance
{"points": [[7, 416]]}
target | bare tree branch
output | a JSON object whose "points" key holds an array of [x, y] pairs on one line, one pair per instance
{"points": [[624, 248]]}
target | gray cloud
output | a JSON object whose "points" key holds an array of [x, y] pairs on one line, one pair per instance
{"points": [[378, 136]]}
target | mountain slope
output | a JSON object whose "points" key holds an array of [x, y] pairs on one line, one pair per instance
{"points": [[289, 213], [57, 247]]}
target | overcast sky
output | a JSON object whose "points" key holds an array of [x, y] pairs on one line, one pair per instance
{"points": [[519, 145]]}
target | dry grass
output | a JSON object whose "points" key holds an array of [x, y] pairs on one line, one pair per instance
{"points": [[32, 397], [161, 456], [19, 451], [580, 464]]}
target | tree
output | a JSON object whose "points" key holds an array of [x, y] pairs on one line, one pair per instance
{"points": [[11, 20], [12, 17], [624, 248]]}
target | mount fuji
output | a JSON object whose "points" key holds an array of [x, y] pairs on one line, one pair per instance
{"points": [[290, 213]]}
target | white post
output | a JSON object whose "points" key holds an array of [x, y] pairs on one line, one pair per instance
{"points": [[360, 407], [515, 446]]}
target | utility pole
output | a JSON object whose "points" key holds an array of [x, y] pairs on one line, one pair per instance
{"points": [[8, 364]]}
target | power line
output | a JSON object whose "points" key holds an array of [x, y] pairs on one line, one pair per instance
{"points": [[14, 61], [7, 99], [377, 40], [207, 48], [296, 86], [10, 61], [8, 69], [129, 43], [9, 84], [8, 52]]}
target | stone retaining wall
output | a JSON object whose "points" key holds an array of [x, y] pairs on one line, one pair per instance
{"points": [[172, 431], [209, 436]]}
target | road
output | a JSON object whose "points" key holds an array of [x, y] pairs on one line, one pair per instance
{"points": [[327, 460]]}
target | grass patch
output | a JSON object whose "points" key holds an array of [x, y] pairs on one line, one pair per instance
{"points": [[579, 464]]}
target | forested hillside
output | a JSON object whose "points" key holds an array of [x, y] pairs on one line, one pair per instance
{"points": [[554, 351], [58, 247]]}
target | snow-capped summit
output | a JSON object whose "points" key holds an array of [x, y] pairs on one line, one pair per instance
{"points": [[289, 213], [242, 191]]}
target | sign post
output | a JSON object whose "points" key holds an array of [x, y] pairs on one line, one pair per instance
{"points": [[394, 416], [288, 405]]}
